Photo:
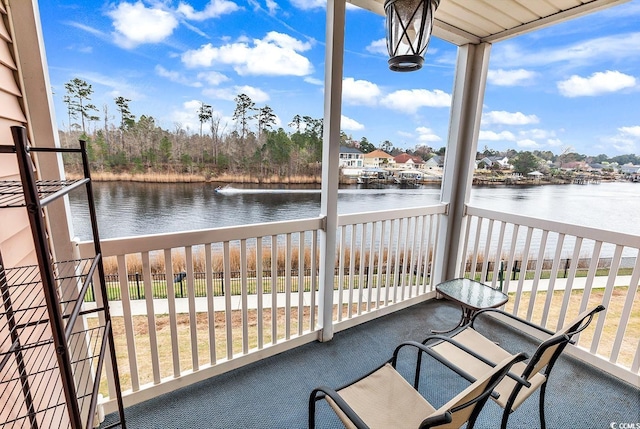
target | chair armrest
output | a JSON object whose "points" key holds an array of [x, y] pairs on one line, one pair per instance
{"points": [[511, 316], [440, 419], [341, 403]]}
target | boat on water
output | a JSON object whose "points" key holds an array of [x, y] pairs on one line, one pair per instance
{"points": [[408, 178], [373, 176]]}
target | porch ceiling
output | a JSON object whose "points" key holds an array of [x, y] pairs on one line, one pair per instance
{"points": [[477, 21]]}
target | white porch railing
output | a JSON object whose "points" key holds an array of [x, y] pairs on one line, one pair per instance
{"points": [[383, 263], [553, 271], [264, 299]]}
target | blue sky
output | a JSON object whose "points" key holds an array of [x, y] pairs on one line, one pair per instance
{"points": [[573, 86]]}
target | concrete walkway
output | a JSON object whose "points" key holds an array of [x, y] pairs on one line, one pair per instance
{"points": [[161, 306]]}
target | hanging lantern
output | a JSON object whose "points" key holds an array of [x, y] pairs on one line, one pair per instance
{"points": [[409, 25]]}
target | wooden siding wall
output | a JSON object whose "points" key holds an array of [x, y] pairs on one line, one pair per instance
{"points": [[15, 235]]}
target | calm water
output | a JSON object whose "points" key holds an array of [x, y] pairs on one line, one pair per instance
{"points": [[129, 209]]}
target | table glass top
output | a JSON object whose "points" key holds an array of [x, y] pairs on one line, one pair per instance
{"points": [[472, 294]]}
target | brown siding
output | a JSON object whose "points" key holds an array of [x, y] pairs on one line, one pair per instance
{"points": [[15, 236]]}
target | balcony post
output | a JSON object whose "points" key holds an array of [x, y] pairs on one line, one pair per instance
{"points": [[334, 52], [464, 126]]}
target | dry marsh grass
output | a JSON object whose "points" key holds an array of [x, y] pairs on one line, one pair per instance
{"points": [[179, 262], [172, 177]]}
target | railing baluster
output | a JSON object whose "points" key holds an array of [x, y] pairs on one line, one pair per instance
{"points": [[191, 297], [301, 285], [487, 252], [465, 246], [274, 289], [625, 315], [211, 315], [536, 278], [497, 262], [151, 317], [370, 267], [260, 292], [341, 268], [575, 260], [552, 279], [361, 265], [244, 296], [608, 292], [523, 269], [352, 264], [173, 320], [387, 275], [287, 267], [379, 266], [314, 280], [128, 322], [228, 291]]}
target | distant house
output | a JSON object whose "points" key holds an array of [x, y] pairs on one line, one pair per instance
{"points": [[629, 169], [378, 159], [435, 161], [351, 157], [408, 162], [575, 166], [492, 161]]}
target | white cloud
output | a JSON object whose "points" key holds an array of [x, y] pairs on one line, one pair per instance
{"points": [[493, 136], [309, 4], [626, 141], [554, 142], [272, 6], [86, 28], [275, 55], [508, 118], [360, 92], [255, 94], [537, 134], [630, 131], [136, 24], [427, 135], [212, 77], [596, 84], [187, 117], [527, 144], [349, 124], [175, 76], [517, 77], [598, 50], [314, 81], [411, 100], [119, 87], [213, 9], [378, 47]]}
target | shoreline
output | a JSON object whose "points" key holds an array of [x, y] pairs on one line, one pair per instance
{"points": [[230, 179]]}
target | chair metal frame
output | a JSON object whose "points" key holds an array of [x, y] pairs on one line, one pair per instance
{"points": [[478, 402], [539, 360]]}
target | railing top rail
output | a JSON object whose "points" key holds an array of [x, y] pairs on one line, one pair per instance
{"points": [[596, 234], [381, 215], [151, 242]]}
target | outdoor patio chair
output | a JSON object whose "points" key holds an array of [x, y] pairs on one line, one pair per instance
{"points": [[385, 399], [512, 392]]}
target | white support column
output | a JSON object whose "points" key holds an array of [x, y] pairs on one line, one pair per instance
{"points": [[334, 52], [464, 126]]}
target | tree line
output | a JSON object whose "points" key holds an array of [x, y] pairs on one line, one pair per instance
{"points": [[254, 147], [140, 145]]}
